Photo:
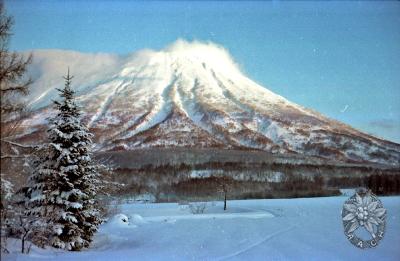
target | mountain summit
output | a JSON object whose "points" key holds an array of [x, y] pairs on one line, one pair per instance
{"points": [[192, 95]]}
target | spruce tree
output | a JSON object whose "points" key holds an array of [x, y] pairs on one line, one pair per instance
{"points": [[64, 184]]}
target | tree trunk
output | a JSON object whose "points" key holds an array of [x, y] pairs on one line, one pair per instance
{"points": [[24, 234], [23, 244], [225, 192]]}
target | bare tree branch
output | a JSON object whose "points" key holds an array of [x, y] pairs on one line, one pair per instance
{"points": [[13, 67]]}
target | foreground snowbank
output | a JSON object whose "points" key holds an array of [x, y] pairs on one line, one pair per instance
{"points": [[278, 229]]}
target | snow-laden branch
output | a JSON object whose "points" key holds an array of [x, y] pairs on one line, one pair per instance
{"points": [[7, 156], [16, 144], [19, 144]]}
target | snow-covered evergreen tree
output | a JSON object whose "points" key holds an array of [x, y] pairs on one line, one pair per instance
{"points": [[65, 181]]}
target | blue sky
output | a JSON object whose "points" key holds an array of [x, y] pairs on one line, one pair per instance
{"points": [[339, 58]]}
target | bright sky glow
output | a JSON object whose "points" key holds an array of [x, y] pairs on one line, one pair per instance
{"points": [[339, 58]]}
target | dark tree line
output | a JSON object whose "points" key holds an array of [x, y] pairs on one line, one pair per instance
{"points": [[380, 184]]}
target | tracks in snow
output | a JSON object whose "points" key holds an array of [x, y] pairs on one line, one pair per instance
{"points": [[258, 243]]}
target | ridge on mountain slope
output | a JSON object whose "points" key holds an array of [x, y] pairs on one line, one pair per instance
{"points": [[192, 95]]}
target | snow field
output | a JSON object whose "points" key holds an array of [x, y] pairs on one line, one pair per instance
{"points": [[268, 229]]}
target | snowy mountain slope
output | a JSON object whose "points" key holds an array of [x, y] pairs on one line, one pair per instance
{"points": [[191, 95]]}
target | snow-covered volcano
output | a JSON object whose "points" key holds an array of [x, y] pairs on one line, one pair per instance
{"points": [[191, 95]]}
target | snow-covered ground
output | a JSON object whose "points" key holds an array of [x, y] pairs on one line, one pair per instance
{"points": [[276, 229]]}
